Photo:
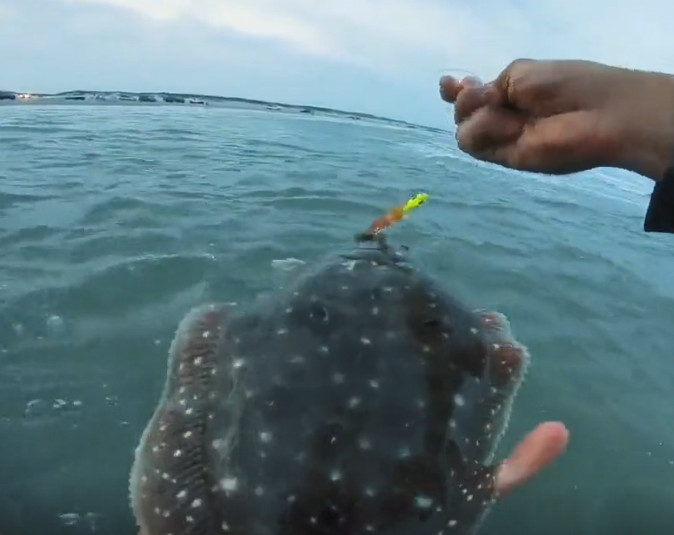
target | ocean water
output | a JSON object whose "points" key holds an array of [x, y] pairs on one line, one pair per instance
{"points": [[114, 221]]}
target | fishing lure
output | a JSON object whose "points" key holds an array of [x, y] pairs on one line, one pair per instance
{"points": [[394, 215]]}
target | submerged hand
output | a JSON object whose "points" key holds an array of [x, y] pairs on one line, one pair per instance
{"points": [[538, 449]]}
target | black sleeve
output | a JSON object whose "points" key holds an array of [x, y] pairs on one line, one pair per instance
{"points": [[660, 213]]}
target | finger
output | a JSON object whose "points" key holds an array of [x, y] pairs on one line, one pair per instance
{"points": [[488, 129], [450, 88], [538, 449], [469, 99]]}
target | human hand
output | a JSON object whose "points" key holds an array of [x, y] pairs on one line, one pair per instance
{"points": [[538, 449], [566, 116]]}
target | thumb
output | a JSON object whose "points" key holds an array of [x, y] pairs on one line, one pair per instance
{"points": [[538, 449]]}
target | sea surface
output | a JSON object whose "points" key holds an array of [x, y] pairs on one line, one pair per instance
{"points": [[114, 221]]}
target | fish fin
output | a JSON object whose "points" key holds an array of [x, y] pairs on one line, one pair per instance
{"points": [[170, 491], [471, 492], [471, 500]]}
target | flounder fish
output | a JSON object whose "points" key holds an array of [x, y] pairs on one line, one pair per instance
{"points": [[361, 399]]}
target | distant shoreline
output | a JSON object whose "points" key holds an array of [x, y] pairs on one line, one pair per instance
{"points": [[184, 99]]}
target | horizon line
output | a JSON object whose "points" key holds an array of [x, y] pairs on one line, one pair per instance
{"points": [[122, 93]]}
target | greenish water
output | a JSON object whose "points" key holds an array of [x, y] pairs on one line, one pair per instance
{"points": [[115, 220]]}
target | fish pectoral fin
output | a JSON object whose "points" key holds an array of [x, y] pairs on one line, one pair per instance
{"points": [[170, 491], [471, 491], [471, 495]]}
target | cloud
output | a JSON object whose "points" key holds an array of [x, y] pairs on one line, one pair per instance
{"points": [[385, 34], [379, 56]]}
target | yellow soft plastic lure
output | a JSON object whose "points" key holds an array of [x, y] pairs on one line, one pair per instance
{"points": [[415, 202], [397, 214]]}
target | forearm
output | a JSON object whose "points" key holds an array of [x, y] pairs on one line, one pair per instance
{"points": [[646, 137]]}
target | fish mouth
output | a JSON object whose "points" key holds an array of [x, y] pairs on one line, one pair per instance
{"points": [[375, 248]]}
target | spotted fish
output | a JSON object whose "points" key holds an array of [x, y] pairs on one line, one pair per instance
{"points": [[361, 399]]}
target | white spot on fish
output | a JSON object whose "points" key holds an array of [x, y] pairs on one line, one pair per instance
{"points": [[452, 523], [338, 378], [473, 330], [181, 494], [374, 383], [177, 453], [335, 475], [187, 434], [424, 502], [365, 341], [281, 331], [404, 452], [459, 401], [259, 491], [206, 334], [238, 363], [354, 402], [198, 361], [364, 443], [229, 484], [265, 436], [375, 311], [196, 503]]}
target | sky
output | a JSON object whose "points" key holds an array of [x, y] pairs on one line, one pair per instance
{"points": [[374, 56]]}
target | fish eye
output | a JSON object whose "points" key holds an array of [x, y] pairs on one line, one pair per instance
{"points": [[318, 311]]}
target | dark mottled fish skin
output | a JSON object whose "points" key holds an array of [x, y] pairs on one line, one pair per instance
{"points": [[363, 399]]}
